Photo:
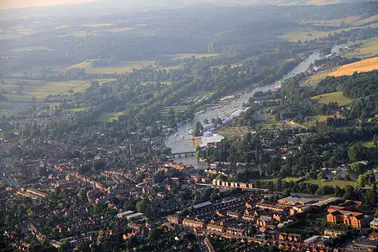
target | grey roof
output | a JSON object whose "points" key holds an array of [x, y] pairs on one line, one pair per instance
{"points": [[203, 204]]}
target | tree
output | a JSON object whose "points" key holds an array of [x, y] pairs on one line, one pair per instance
{"points": [[361, 181], [198, 128], [320, 191], [142, 205]]}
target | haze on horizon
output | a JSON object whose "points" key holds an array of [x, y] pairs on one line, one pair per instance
{"points": [[17, 4]]}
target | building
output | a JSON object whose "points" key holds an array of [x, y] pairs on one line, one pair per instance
{"points": [[193, 223], [174, 219], [374, 224]]}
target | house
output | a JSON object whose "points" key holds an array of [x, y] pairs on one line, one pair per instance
{"points": [[193, 223], [374, 224], [174, 219]]}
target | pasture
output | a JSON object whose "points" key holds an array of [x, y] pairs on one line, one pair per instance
{"points": [[311, 120], [333, 97], [189, 55], [366, 65], [314, 80], [369, 48], [340, 183], [123, 67]]}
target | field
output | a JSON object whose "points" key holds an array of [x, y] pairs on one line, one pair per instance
{"points": [[310, 34], [311, 120], [98, 25], [178, 109], [109, 117], [288, 179], [314, 80], [123, 67], [25, 90], [232, 132], [336, 22], [188, 55], [168, 83], [333, 97], [367, 20], [340, 183], [360, 66]]}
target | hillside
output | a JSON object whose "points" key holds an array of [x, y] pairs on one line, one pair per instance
{"points": [[360, 66]]}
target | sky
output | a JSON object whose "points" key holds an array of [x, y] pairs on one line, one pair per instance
{"points": [[14, 4]]}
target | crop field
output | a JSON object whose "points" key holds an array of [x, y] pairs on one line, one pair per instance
{"points": [[25, 90], [367, 20], [310, 34], [336, 22], [366, 65], [123, 67], [333, 97], [340, 183], [289, 179]]}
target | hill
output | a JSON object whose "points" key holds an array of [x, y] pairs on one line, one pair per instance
{"points": [[360, 66]]}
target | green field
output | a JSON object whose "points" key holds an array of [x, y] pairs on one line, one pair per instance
{"points": [[314, 80], [310, 34], [369, 48], [291, 179], [333, 97], [340, 183], [311, 120], [189, 55], [123, 67], [178, 109], [168, 83], [109, 117]]}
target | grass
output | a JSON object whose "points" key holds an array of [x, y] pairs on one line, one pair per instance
{"points": [[333, 97], [168, 83], [336, 22], [340, 183], [311, 120], [168, 68], [314, 80], [310, 34], [177, 109], [189, 55], [291, 179], [369, 144], [233, 132], [366, 65], [77, 110], [123, 67], [367, 20], [369, 48], [109, 117]]}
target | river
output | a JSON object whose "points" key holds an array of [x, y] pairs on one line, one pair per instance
{"points": [[181, 141]]}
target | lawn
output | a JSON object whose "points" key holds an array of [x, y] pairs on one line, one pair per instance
{"points": [[340, 183], [333, 97], [366, 65], [109, 117], [123, 67]]}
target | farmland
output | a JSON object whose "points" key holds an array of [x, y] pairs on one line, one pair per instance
{"points": [[313, 80], [188, 55], [311, 120], [109, 117], [368, 48], [360, 66], [123, 67], [340, 183], [333, 97]]}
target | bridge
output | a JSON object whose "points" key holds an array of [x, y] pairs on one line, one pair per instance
{"points": [[186, 154]]}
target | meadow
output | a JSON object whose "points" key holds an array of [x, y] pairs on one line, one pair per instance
{"points": [[368, 48], [366, 65], [340, 183], [109, 117], [311, 120], [123, 67], [333, 97], [314, 80]]}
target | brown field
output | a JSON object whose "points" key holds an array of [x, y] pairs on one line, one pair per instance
{"points": [[232, 132], [123, 67], [367, 20], [336, 22], [360, 66]]}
